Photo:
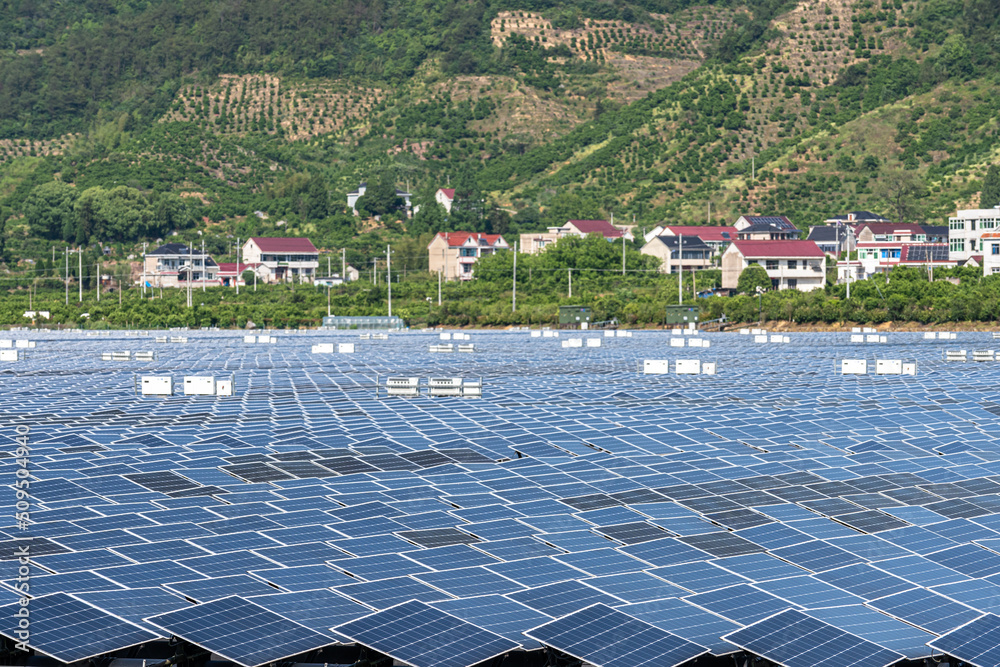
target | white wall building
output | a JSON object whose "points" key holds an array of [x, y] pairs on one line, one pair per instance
{"points": [[965, 229]]}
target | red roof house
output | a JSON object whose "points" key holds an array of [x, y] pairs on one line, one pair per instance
{"points": [[789, 264]]}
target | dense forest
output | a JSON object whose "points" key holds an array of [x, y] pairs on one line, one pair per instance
{"points": [[125, 122]]}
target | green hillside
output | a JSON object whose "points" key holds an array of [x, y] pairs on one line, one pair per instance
{"points": [[125, 121]]}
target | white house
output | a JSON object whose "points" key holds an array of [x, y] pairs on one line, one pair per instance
{"points": [[789, 264], [173, 264], [454, 253], [445, 197], [282, 259], [353, 197], [990, 243], [966, 228]]}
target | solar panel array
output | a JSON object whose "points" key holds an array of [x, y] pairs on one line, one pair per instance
{"points": [[767, 508]]}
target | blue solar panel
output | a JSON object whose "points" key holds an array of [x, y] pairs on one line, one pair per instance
{"points": [[603, 636], [318, 610], [562, 598], [878, 628], [698, 577], [497, 614], [977, 642], [423, 636], [794, 639], [233, 628], [390, 592], [135, 604], [69, 629], [741, 603], [925, 609]]}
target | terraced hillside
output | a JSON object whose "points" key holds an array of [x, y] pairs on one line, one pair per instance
{"points": [[678, 112]]}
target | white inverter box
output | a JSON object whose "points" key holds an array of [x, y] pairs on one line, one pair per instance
{"points": [[687, 367], [199, 386], [157, 385]]}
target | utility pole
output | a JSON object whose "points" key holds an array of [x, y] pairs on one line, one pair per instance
{"points": [[143, 269], [343, 264], [710, 211], [79, 282], [67, 275], [388, 275], [680, 270], [204, 265], [570, 273], [237, 266], [98, 281], [254, 281], [328, 274], [328, 299], [753, 168], [440, 273], [190, 275], [623, 254], [513, 305]]}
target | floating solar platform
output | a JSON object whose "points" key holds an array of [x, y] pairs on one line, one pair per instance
{"points": [[772, 508]]}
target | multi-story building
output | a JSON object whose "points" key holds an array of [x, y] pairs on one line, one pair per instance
{"points": [[966, 228], [282, 259], [174, 264], [882, 257], [890, 232], [535, 242], [716, 238], [455, 253], [834, 238], [679, 253], [990, 243], [789, 264], [765, 228]]}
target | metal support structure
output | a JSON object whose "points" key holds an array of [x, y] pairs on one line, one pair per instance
{"points": [[680, 270], [388, 275], [513, 305]]}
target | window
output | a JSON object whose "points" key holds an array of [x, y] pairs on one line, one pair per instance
{"points": [[771, 265], [467, 268], [894, 254], [793, 283], [955, 245], [793, 264], [467, 252], [956, 225], [996, 249]]}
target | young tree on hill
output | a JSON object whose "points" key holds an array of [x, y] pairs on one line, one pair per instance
{"points": [[901, 191], [991, 188], [380, 196], [468, 206], [48, 207]]}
